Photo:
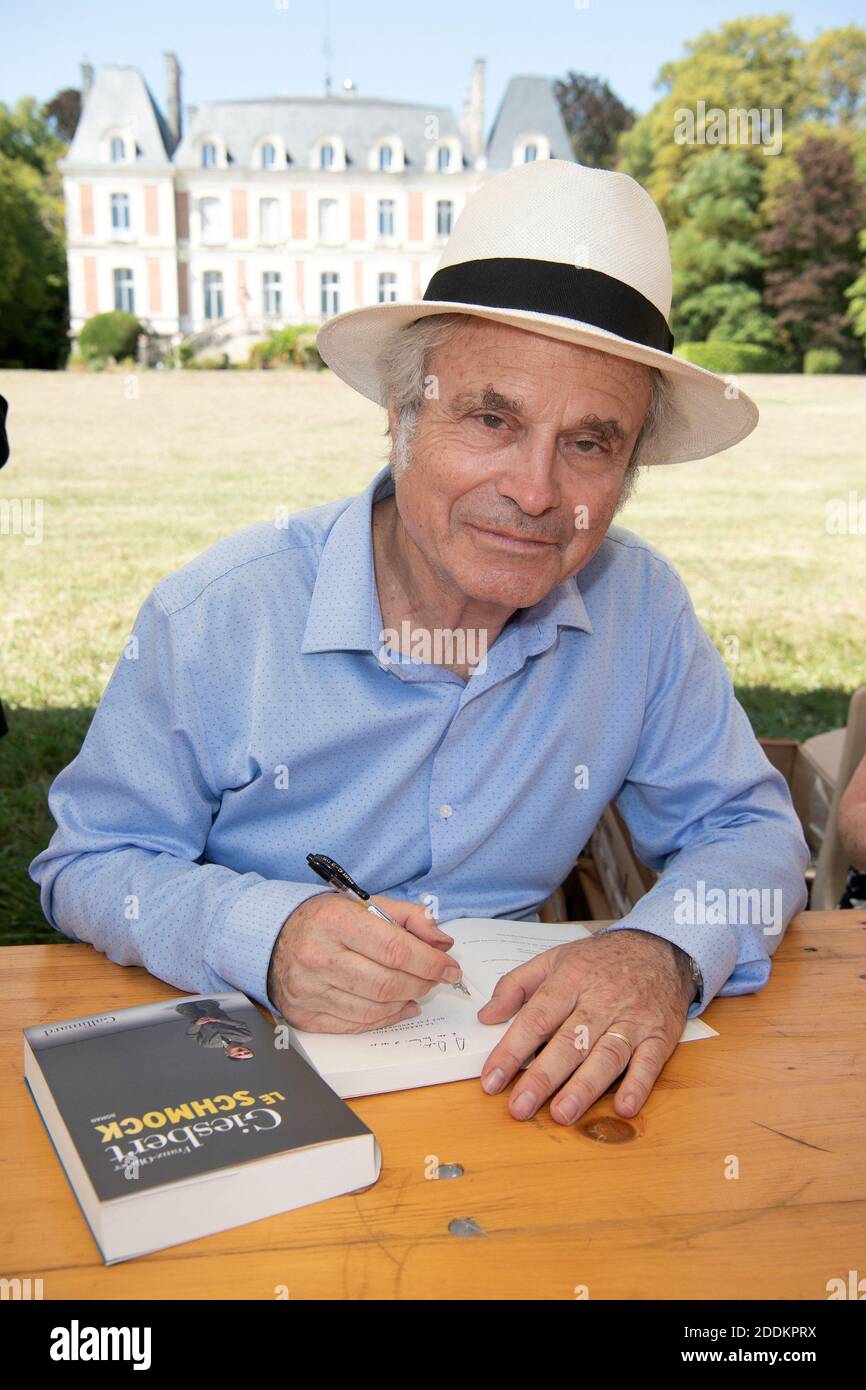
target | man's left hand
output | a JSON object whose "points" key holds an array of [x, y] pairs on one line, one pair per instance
{"points": [[576, 998]]}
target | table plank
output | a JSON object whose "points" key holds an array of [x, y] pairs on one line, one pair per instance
{"points": [[638, 1209]]}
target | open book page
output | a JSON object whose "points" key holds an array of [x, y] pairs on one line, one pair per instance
{"points": [[446, 1027], [446, 1042], [487, 948]]}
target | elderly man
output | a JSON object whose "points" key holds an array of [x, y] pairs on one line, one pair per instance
{"points": [[443, 682]]}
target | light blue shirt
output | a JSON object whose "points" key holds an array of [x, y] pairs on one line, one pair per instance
{"points": [[253, 718]]}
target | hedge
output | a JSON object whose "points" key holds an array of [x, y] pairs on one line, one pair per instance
{"points": [[730, 358], [110, 335], [821, 360]]}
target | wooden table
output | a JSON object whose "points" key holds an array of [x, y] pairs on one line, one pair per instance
{"points": [[638, 1210]]}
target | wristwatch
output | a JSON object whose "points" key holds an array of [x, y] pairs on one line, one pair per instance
{"points": [[697, 979]]}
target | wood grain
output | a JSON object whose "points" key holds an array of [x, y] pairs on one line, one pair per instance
{"points": [[638, 1210]]}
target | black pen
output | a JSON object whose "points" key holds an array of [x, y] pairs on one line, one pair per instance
{"points": [[336, 877]]}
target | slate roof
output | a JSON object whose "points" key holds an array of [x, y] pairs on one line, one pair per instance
{"points": [[300, 121], [528, 107], [121, 97]]}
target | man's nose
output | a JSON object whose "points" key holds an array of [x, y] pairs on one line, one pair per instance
{"points": [[529, 476]]}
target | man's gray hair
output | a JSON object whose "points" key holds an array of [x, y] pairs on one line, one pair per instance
{"points": [[406, 360]]}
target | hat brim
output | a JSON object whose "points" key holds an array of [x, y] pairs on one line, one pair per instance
{"points": [[707, 412]]}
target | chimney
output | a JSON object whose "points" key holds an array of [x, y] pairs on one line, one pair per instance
{"points": [[86, 80], [172, 97], [473, 112]]}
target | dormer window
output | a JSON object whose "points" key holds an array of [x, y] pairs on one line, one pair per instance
{"points": [[445, 156], [328, 153], [208, 155], [387, 156], [529, 147], [118, 149], [269, 156]]}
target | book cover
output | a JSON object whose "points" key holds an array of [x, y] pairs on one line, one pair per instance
{"points": [[173, 1091]]}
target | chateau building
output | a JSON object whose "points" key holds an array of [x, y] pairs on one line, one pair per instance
{"points": [[216, 223]]}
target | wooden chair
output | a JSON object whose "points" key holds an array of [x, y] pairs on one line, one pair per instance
{"points": [[831, 868]]}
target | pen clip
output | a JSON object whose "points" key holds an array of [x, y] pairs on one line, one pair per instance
{"points": [[333, 873]]}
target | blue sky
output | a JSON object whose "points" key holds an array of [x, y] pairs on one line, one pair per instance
{"points": [[403, 49]]}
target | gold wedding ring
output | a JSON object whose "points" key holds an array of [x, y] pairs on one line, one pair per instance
{"points": [[609, 1032]]}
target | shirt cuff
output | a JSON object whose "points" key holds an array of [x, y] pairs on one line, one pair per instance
{"points": [[240, 951]]}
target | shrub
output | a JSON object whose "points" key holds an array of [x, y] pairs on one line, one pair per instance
{"points": [[110, 335], [259, 356], [730, 358], [306, 352], [216, 362], [821, 360], [286, 347]]}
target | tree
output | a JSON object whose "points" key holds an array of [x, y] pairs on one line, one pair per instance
{"points": [[594, 117], [746, 65], [26, 136], [811, 247], [856, 293], [717, 265], [33, 292], [63, 112], [836, 68]]}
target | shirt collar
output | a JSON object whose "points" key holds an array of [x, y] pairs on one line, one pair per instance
{"points": [[344, 612]]}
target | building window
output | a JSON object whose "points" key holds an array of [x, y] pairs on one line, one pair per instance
{"points": [[214, 305], [118, 149], [328, 220], [386, 217], [386, 157], [269, 220], [326, 157], [330, 293], [530, 152], [269, 156], [444, 217], [211, 220], [443, 159], [272, 294], [120, 212], [124, 293], [208, 155], [387, 288]]}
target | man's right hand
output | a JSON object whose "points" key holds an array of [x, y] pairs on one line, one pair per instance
{"points": [[335, 968]]}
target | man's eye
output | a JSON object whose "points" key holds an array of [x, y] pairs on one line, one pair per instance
{"points": [[497, 420], [586, 446]]}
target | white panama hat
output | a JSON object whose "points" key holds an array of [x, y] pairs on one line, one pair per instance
{"points": [[573, 253]]}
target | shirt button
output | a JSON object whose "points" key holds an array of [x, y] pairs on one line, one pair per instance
{"points": [[445, 811]]}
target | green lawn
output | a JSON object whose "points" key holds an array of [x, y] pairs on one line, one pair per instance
{"points": [[133, 486]]}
